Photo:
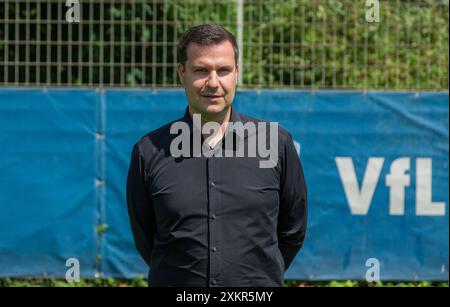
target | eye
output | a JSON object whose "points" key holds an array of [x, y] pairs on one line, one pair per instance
{"points": [[201, 70], [224, 71]]}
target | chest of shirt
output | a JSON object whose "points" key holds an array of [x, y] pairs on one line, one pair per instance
{"points": [[192, 187]]}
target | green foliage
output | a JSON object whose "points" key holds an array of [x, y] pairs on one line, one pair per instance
{"points": [[84, 282], [140, 281], [298, 43], [101, 229], [329, 44]]}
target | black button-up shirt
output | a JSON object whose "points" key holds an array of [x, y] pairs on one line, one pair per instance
{"points": [[215, 221]]}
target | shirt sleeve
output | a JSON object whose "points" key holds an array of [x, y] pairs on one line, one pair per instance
{"points": [[140, 208], [292, 217]]}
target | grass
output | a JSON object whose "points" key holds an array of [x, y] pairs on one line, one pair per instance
{"points": [[141, 282]]}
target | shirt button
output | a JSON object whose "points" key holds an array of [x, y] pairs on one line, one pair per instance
{"points": [[213, 282], [214, 249], [213, 216], [213, 183]]}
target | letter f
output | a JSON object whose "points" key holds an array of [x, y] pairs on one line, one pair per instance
{"points": [[397, 180]]}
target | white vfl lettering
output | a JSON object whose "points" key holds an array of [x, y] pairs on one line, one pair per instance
{"points": [[424, 203], [359, 200], [397, 180]]}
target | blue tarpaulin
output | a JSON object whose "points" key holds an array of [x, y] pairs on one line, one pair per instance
{"points": [[376, 166]]}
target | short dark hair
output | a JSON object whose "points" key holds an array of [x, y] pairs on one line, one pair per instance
{"points": [[205, 34]]}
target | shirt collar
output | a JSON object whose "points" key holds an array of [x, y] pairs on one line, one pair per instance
{"points": [[234, 118]]}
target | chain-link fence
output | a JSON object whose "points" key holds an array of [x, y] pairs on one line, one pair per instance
{"points": [[284, 44]]}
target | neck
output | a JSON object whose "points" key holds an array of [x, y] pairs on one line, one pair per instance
{"points": [[221, 118]]}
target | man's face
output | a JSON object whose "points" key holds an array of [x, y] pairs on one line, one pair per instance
{"points": [[209, 77]]}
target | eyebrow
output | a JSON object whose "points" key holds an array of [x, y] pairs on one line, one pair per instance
{"points": [[205, 67]]}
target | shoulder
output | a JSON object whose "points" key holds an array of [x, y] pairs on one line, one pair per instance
{"points": [[155, 140], [283, 134]]}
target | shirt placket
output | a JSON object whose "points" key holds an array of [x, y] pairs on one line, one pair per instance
{"points": [[214, 248]]}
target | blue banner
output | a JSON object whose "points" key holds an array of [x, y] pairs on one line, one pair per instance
{"points": [[376, 166]]}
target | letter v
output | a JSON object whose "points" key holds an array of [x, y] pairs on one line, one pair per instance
{"points": [[359, 200]]}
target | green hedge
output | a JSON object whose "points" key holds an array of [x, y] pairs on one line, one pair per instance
{"points": [[407, 49], [333, 45], [141, 282]]}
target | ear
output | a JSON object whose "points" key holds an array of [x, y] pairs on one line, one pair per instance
{"points": [[180, 70]]}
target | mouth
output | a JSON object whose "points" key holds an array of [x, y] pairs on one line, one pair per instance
{"points": [[212, 97]]}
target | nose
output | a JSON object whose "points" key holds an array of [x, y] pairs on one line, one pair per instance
{"points": [[213, 79]]}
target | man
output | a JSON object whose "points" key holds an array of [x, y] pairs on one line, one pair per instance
{"points": [[212, 220]]}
